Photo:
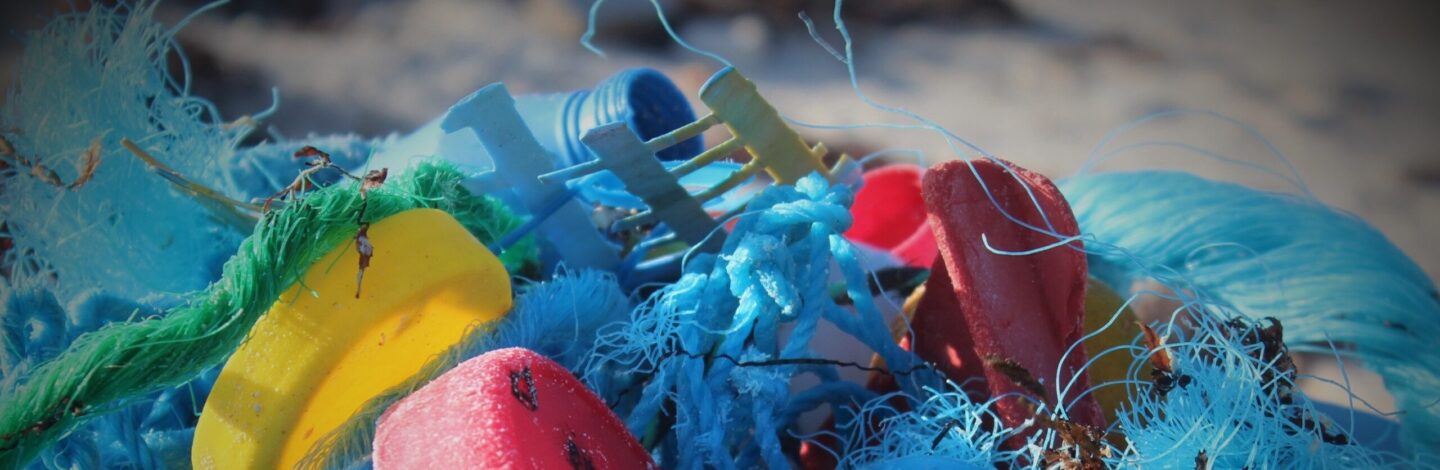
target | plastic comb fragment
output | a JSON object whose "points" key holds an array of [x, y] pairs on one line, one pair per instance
{"points": [[756, 124], [622, 152], [519, 161]]}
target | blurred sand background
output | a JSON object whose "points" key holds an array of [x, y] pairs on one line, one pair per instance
{"points": [[1348, 91]]}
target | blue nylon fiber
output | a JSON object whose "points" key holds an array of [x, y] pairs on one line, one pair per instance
{"points": [[559, 317], [36, 326], [97, 77], [946, 430], [153, 433], [1233, 416], [1326, 275]]}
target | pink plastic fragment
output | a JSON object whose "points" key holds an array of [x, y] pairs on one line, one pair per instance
{"points": [[510, 408]]}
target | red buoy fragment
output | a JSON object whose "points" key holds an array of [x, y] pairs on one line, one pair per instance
{"points": [[509, 408], [994, 323], [1016, 315]]}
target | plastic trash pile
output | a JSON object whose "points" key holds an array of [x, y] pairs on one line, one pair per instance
{"points": [[580, 279]]}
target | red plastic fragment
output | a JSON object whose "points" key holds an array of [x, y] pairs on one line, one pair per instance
{"points": [[889, 214], [984, 312], [1024, 310], [510, 408]]}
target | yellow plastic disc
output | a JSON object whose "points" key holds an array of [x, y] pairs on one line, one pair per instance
{"points": [[1101, 304], [320, 352]]}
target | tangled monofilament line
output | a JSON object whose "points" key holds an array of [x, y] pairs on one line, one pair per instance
{"points": [[1326, 275]]}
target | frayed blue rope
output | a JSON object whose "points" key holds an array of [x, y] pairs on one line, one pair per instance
{"points": [[710, 344]]}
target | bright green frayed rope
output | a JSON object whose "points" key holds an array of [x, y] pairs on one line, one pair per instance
{"points": [[103, 370]]}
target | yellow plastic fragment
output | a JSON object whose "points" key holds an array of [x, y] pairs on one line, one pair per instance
{"points": [[1101, 304], [734, 99], [320, 353]]}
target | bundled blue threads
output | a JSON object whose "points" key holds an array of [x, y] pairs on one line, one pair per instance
{"points": [[1235, 409], [154, 433], [32, 328], [1324, 274], [946, 430], [86, 81], [710, 345], [558, 317]]}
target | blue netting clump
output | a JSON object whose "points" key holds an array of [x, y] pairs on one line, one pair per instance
{"points": [[86, 81], [722, 344]]}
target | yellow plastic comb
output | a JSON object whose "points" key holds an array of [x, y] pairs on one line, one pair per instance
{"points": [[755, 123]]}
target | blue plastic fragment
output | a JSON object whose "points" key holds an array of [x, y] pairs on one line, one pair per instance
{"points": [[489, 117], [643, 98]]}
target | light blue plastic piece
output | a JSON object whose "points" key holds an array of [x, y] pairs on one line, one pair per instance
{"points": [[642, 98], [623, 153], [606, 189], [489, 117]]}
